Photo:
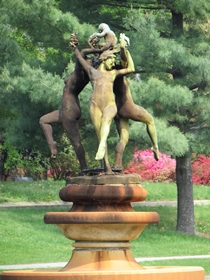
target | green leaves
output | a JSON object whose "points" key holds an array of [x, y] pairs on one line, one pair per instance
{"points": [[174, 74], [174, 71]]}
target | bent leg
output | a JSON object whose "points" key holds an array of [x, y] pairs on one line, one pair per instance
{"points": [[108, 169], [72, 131], [96, 117], [45, 121], [107, 117], [123, 131], [142, 115]]}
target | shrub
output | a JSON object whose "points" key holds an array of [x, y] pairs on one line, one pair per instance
{"points": [[27, 162], [65, 164], [201, 170], [149, 169]]}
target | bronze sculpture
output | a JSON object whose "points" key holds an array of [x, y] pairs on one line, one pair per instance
{"points": [[102, 102], [110, 40], [117, 102], [69, 114], [126, 108]]}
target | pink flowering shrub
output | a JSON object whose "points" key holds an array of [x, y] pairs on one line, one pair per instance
{"points": [[143, 163], [201, 170]]}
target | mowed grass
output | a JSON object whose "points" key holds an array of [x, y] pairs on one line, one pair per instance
{"points": [[49, 191], [25, 238], [30, 191]]}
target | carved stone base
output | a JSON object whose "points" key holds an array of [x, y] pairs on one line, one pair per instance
{"points": [[148, 273], [102, 222]]}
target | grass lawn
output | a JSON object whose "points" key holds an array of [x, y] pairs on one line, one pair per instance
{"points": [[25, 238], [49, 191]]}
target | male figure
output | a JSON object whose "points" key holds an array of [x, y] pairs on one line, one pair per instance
{"points": [[102, 102]]}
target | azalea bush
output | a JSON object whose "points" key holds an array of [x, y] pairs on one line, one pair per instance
{"points": [[201, 170], [143, 163]]}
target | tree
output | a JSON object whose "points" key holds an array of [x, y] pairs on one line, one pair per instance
{"points": [[34, 59], [170, 48], [172, 58]]}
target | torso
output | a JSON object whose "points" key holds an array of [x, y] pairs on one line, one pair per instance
{"points": [[103, 95]]}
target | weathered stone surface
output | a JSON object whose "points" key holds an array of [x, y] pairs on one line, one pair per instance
{"points": [[118, 271], [105, 179], [108, 193]]}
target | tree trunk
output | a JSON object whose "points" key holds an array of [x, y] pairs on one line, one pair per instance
{"points": [[1, 168], [3, 157], [177, 24], [185, 207], [1, 160]]}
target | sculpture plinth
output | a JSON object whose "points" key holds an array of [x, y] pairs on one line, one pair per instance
{"points": [[102, 222]]}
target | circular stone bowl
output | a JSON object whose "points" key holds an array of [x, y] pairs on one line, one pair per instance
{"points": [[101, 226]]}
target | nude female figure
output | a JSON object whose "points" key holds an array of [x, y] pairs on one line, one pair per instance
{"points": [[102, 102], [69, 114], [127, 109]]}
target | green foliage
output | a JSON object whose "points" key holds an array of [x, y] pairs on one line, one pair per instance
{"points": [[13, 155], [23, 159], [174, 76], [174, 69], [65, 164], [90, 11], [34, 58]]}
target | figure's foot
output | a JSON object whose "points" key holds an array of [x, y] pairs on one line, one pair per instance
{"points": [[155, 152], [53, 149], [109, 172], [118, 166], [118, 169], [101, 152]]}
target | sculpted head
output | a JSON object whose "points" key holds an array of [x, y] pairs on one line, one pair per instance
{"points": [[106, 54], [103, 27]]}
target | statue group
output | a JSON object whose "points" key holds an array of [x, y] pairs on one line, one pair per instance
{"points": [[111, 98]]}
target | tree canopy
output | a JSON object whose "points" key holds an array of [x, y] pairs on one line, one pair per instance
{"points": [[170, 48]]}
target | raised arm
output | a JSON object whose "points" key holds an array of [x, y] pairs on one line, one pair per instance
{"points": [[81, 60], [81, 55], [126, 59]]}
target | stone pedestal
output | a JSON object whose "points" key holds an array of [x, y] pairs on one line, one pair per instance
{"points": [[102, 223]]}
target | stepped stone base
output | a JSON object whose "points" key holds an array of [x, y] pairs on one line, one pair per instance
{"points": [[148, 273], [102, 223]]}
